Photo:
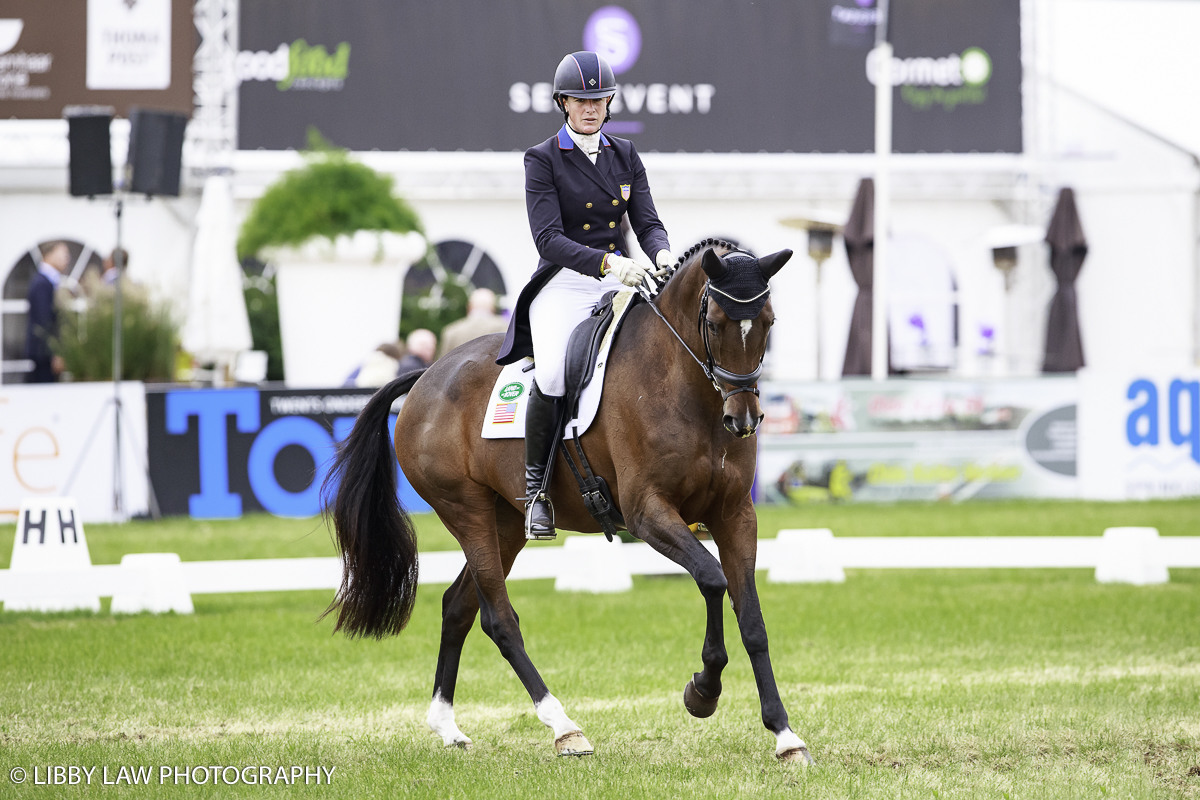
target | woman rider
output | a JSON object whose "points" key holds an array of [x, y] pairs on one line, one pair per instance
{"points": [[578, 184]]}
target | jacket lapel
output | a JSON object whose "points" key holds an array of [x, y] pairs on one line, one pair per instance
{"points": [[581, 162]]}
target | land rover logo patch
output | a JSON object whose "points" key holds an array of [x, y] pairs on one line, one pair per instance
{"points": [[512, 391]]}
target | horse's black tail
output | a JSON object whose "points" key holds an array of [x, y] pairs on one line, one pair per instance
{"points": [[372, 530]]}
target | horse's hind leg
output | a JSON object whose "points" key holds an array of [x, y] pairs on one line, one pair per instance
{"points": [[480, 535], [460, 604], [737, 539]]}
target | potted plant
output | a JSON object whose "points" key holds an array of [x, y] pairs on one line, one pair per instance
{"points": [[340, 241]]}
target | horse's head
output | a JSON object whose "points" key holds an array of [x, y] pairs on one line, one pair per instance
{"points": [[735, 318]]}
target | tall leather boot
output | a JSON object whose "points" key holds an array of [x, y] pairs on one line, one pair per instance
{"points": [[541, 417]]}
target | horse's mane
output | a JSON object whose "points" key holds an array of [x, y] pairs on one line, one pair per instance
{"points": [[692, 253]]}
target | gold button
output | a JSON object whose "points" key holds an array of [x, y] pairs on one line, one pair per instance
{"points": [[612, 247], [616, 202], [587, 226], [589, 205], [612, 224]]}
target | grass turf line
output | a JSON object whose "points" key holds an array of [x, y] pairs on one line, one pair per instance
{"points": [[1025, 683]]}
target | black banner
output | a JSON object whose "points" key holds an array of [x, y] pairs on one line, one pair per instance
{"points": [[216, 453], [694, 75]]}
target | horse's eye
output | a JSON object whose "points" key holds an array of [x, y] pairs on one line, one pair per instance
{"points": [[712, 326]]}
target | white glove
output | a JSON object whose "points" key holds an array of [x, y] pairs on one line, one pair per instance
{"points": [[664, 260], [628, 271]]}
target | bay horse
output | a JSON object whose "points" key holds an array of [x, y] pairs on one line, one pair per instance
{"points": [[672, 450]]}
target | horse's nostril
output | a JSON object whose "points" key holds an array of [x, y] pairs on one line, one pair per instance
{"points": [[729, 424]]}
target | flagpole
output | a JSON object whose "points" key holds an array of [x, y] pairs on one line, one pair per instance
{"points": [[883, 151]]}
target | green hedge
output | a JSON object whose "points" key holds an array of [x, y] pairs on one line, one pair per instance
{"points": [[149, 338]]}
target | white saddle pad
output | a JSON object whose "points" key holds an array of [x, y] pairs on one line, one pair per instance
{"points": [[505, 415]]}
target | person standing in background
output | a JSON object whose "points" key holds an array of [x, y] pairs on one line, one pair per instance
{"points": [[481, 319], [111, 272], [422, 347], [42, 324]]}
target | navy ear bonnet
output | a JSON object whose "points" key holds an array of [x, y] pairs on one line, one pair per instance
{"points": [[741, 288]]}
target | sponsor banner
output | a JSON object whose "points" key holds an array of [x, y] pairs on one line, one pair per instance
{"points": [[219, 453], [118, 53], [692, 75], [1139, 434], [917, 440], [57, 440]]}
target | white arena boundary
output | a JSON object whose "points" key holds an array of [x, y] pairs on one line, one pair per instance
{"points": [[161, 582]]}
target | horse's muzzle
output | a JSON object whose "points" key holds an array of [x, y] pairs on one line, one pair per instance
{"points": [[743, 425]]}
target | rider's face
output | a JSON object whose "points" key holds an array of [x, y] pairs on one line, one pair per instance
{"points": [[586, 115]]}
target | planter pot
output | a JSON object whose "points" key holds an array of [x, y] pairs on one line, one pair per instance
{"points": [[338, 302]]}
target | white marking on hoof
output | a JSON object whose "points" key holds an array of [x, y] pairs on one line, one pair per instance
{"points": [[551, 713], [573, 744], [440, 720], [790, 748]]}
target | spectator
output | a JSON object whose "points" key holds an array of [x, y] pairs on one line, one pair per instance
{"points": [[481, 319], [378, 368], [42, 324], [110, 266], [422, 345]]}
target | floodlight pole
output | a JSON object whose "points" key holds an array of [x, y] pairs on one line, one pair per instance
{"points": [[119, 265], [883, 151]]}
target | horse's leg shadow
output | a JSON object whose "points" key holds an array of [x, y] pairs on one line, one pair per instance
{"points": [[662, 528], [737, 539], [491, 541]]}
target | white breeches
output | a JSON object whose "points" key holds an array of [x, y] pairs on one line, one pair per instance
{"points": [[566, 300]]}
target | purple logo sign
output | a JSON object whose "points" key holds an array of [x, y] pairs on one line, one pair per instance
{"points": [[612, 32]]}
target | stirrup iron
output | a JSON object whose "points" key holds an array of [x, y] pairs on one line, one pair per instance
{"points": [[539, 535]]}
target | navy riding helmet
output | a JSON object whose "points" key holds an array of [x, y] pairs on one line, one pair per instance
{"points": [[584, 75]]}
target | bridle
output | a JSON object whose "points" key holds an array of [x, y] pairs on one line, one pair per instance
{"points": [[744, 382]]}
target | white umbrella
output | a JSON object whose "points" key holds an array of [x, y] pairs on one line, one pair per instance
{"points": [[217, 327]]}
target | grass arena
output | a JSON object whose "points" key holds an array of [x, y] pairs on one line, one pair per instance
{"points": [[931, 683]]}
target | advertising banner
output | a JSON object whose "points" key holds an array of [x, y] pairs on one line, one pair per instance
{"points": [[692, 75], [917, 440], [1139, 434], [57, 440], [219, 453], [118, 53]]}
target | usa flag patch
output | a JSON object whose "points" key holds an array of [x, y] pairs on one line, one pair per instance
{"points": [[505, 412], [625, 192]]}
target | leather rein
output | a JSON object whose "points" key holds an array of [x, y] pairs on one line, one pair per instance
{"points": [[745, 382]]}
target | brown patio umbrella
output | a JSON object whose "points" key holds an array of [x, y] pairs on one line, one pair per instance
{"points": [[1068, 248], [859, 236]]}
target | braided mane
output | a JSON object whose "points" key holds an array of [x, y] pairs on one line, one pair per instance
{"points": [[690, 254]]}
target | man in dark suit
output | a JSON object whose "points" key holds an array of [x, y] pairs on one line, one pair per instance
{"points": [[578, 184], [42, 321]]}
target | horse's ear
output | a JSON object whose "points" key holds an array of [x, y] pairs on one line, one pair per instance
{"points": [[774, 262], [712, 264]]}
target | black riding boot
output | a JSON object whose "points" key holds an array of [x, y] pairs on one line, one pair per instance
{"points": [[541, 418]]}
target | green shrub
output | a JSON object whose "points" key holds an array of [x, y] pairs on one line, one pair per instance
{"points": [[149, 338], [330, 195], [262, 306]]}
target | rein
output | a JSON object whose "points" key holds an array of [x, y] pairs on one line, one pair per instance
{"points": [[715, 374]]}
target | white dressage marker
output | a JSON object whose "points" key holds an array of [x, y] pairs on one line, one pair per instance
{"points": [[49, 539]]}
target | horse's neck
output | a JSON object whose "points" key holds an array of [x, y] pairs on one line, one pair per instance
{"points": [[680, 302]]}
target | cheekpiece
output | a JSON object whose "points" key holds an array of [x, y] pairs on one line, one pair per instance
{"points": [[742, 290]]}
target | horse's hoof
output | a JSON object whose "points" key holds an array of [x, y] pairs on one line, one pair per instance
{"points": [[462, 744], [697, 704], [573, 744], [796, 755]]}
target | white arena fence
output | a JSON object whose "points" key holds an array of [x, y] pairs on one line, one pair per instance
{"points": [[161, 582]]}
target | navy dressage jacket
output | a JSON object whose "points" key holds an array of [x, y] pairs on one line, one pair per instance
{"points": [[575, 210]]}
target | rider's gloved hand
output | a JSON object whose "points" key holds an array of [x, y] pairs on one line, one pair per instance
{"points": [[628, 271], [664, 261]]}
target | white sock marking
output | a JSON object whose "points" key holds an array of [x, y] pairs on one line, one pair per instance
{"points": [[552, 715], [440, 720], [747, 324], [786, 740]]}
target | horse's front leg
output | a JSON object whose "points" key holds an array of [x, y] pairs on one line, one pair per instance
{"points": [[662, 528], [737, 540]]}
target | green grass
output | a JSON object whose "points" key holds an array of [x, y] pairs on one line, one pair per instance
{"points": [[922, 684]]}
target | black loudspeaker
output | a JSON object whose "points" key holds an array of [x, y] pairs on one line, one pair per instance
{"points": [[155, 151], [91, 151]]}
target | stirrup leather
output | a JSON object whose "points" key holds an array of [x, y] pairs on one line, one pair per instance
{"points": [[542, 535]]}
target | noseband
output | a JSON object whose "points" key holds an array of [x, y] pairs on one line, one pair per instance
{"points": [[714, 372]]}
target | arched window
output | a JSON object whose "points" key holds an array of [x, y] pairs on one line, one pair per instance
{"points": [[14, 306]]}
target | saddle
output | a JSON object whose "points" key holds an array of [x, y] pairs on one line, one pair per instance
{"points": [[583, 349]]}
